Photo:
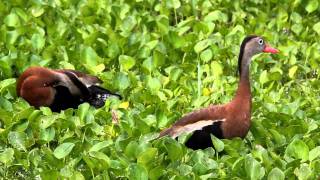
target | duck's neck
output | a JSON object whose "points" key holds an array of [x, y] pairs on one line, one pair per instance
{"points": [[243, 93]]}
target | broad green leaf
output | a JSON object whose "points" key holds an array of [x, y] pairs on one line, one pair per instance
{"points": [[147, 156], [37, 41], [17, 140], [173, 4], [253, 168], [263, 77], [37, 11], [7, 155], [316, 27], [101, 145], [314, 153], [201, 45], [312, 6], [304, 172], [137, 172], [206, 55], [126, 62], [298, 149], [276, 174], [12, 20], [217, 143], [292, 71], [63, 150], [153, 84], [47, 134]]}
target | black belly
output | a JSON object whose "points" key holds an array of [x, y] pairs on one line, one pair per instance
{"points": [[64, 99], [201, 139]]}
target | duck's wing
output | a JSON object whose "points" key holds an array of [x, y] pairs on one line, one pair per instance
{"points": [[196, 120], [86, 79]]}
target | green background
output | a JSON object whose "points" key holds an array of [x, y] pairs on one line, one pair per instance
{"points": [[166, 58]]}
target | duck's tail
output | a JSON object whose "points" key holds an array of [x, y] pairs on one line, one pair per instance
{"points": [[99, 95]]}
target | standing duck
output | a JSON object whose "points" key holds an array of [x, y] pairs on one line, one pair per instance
{"points": [[224, 121], [61, 89]]}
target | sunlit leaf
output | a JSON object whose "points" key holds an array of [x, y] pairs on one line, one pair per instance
{"points": [[63, 150]]}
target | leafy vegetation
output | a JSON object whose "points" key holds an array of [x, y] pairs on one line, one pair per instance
{"points": [[166, 58]]}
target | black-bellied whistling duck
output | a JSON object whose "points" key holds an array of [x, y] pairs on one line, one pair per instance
{"points": [[61, 89], [228, 120]]}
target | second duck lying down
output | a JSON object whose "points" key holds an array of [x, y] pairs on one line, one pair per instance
{"points": [[60, 89], [224, 121]]}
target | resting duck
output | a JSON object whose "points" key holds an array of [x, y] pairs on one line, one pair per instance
{"points": [[61, 89], [224, 121]]}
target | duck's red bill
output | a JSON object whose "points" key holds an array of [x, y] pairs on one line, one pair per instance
{"points": [[269, 49]]}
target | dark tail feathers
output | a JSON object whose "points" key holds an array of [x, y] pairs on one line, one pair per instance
{"points": [[99, 95]]}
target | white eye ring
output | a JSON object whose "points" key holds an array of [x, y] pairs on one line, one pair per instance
{"points": [[260, 41]]}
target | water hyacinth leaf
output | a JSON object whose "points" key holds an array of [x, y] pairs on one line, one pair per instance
{"points": [[48, 134], [298, 149], [292, 71], [314, 153], [37, 41], [316, 27], [63, 150], [126, 62], [217, 143], [276, 174], [263, 77], [201, 45], [7, 155], [253, 168], [137, 172], [147, 156], [18, 140], [153, 84], [304, 172], [312, 6], [101, 145], [12, 20], [206, 55]]}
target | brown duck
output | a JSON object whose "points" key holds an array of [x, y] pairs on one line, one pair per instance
{"points": [[224, 121], [60, 89]]}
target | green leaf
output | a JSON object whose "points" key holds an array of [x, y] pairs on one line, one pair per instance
{"points": [[314, 153], [7, 156], [17, 140], [292, 71], [153, 84], [147, 156], [48, 134], [298, 149], [12, 20], [316, 28], [312, 6], [101, 145], [63, 150], [173, 4], [304, 172], [263, 77], [37, 41], [122, 81], [137, 172], [206, 55], [253, 168], [201, 45], [276, 174], [126, 62], [217, 143]]}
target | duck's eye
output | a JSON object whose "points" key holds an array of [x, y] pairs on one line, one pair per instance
{"points": [[260, 41]]}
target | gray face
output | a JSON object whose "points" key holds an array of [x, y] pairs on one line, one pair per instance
{"points": [[255, 46]]}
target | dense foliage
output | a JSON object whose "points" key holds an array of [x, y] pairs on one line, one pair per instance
{"points": [[166, 58]]}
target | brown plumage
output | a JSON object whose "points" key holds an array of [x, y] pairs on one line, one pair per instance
{"points": [[60, 89], [224, 121]]}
